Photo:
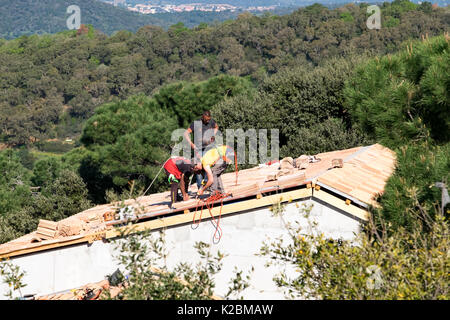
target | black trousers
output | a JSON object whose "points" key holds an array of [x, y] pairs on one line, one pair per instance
{"points": [[174, 192]]}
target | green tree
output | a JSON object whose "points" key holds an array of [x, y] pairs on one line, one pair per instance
{"points": [[187, 101], [14, 183], [126, 140], [298, 102], [45, 171], [404, 97], [330, 134], [376, 266], [65, 196], [412, 186], [402, 101]]}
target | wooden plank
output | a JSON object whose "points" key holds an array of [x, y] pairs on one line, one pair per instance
{"points": [[185, 204], [44, 237], [293, 180], [44, 232], [340, 204], [227, 209], [42, 246], [241, 191], [270, 184]]}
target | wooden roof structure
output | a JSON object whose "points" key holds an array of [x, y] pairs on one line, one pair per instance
{"points": [[351, 186]]}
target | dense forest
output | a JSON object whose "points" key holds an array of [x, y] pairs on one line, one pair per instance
{"points": [[28, 17], [318, 75], [51, 84]]}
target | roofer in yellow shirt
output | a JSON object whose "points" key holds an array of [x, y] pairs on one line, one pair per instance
{"points": [[214, 162]]}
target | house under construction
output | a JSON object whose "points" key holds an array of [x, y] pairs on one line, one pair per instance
{"points": [[338, 186]]}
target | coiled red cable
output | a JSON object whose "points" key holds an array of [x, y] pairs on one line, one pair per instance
{"points": [[209, 202]]}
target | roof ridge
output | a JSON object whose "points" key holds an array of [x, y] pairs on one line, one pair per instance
{"points": [[348, 158], [357, 153]]}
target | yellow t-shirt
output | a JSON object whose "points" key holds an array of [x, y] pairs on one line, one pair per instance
{"points": [[213, 155]]}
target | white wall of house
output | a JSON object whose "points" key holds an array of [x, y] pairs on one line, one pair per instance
{"points": [[243, 236]]}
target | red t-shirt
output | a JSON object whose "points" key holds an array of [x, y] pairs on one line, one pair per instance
{"points": [[178, 166]]}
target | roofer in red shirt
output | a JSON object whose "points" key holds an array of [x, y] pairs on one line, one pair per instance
{"points": [[179, 170]]}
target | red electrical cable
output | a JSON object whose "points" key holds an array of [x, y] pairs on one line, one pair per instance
{"points": [[209, 202], [216, 196]]}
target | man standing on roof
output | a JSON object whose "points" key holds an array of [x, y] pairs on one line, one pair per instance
{"points": [[204, 131], [179, 170], [214, 163]]}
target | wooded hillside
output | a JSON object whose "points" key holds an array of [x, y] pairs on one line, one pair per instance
{"points": [[51, 84]]}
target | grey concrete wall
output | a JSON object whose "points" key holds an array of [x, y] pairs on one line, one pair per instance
{"points": [[242, 238]]}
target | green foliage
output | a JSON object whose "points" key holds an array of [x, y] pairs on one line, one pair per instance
{"points": [[411, 188], [27, 159], [391, 22], [298, 102], [45, 171], [54, 146], [14, 182], [53, 83], [347, 17], [404, 97], [187, 101], [397, 7], [19, 17], [65, 196], [89, 167], [62, 194], [328, 135], [402, 101], [12, 276], [144, 255], [404, 265], [15, 193], [126, 140], [425, 7], [116, 119]]}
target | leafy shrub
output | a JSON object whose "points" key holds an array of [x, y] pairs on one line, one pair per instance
{"points": [[412, 187], [54, 146], [329, 135], [407, 264], [404, 97]]}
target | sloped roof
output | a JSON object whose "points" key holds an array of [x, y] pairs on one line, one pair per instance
{"points": [[363, 175], [90, 291]]}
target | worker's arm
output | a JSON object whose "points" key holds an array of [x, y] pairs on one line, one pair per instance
{"points": [[187, 136], [216, 128], [183, 187], [210, 180]]}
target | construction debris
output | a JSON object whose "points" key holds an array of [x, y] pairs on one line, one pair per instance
{"points": [[302, 162], [46, 229], [71, 227], [337, 163]]}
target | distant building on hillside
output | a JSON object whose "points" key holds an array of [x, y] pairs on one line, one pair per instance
{"points": [[117, 2]]}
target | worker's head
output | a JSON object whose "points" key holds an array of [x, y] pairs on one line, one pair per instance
{"points": [[196, 165], [206, 117]]}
